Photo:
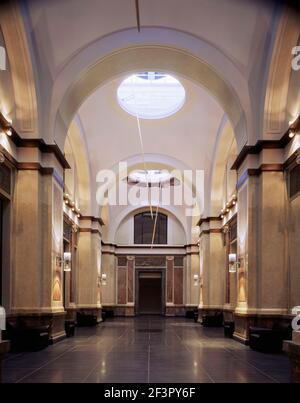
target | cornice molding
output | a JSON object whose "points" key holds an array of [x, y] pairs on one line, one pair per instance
{"points": [[259, 171], [90, 230], [94, 219], [207, 220], [211, 231], [146, 246], [265, 145], [35, 143]]}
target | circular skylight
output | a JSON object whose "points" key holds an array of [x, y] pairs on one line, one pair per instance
{"points": [[153, 176], [151, 95]]}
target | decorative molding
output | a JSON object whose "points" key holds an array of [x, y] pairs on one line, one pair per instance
{"points": [[207, 220], [5, 179], [30, 166], [122, 261], [211, 231], [35, 143], [151, 261], [258, 171], [146, 246], [20, 61], [261, 312], [95, 219], [90, 230], [279, 73], [265, 145]]}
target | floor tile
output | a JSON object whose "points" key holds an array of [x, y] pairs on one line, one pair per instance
{"points": [[147, 349]]}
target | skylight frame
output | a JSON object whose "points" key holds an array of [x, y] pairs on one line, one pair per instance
{"points": [[157, 96]]}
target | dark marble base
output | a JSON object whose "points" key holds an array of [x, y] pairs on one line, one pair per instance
{"points": [[4, 349], [206, 311], [124, 311], [55, 320], [92, 311], [293, 351], [242, 323], [176, 310]]}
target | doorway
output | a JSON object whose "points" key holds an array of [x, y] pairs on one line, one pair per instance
{"points": [[150, 293]]}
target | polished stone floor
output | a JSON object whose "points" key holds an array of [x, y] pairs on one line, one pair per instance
{"points": [[147, 349]]}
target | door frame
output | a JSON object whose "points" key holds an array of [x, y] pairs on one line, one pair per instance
{"points": [[162, 271]]}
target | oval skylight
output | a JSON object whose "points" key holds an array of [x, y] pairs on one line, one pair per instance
{"points": [[151, 95], [150, 176]]}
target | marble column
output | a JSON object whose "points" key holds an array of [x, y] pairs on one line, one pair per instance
{"points": [[262, 277], [37, 247], [192, 268], [170, 286], [212, 268], [109, 268], [88, 293]]}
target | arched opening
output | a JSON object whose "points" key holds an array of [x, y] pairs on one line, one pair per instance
{"points": [[149, 231]]}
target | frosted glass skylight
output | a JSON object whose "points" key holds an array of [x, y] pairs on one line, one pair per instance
{"points": [[150, 176], [151, 95]]}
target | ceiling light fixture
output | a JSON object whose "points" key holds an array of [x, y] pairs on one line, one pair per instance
{"points": [[292, 132]]}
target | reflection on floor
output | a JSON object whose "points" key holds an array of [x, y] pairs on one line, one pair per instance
{"points": [[147, 349]]}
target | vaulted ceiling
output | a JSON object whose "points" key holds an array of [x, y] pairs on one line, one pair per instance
{"points": [[233, 37]]}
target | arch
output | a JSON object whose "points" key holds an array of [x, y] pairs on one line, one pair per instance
{"points": [[132, 210], [153, 161], [177, 53], [75, 150], [22, 73], [223, 179], [141, 219], [276, 117]]}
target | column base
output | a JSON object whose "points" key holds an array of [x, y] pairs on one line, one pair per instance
{"points": [[243, 321], [91, 311], [205, 310], [175, 310], [124, 311], [56, 321], [293, 351], [4, 348]]}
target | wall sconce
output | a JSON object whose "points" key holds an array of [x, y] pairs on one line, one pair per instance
{"points": [[67, 261], [6, 125], [103, 278], [234, 264], [2, 321], [292, 132], [72, 205], [228, 206], [59, 261], [196, 279]]}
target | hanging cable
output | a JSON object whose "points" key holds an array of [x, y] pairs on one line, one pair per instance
{"points": [[143, 154], [155, 221]]}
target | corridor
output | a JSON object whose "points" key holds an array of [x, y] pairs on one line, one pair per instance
{"points": [[146, 350]]}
